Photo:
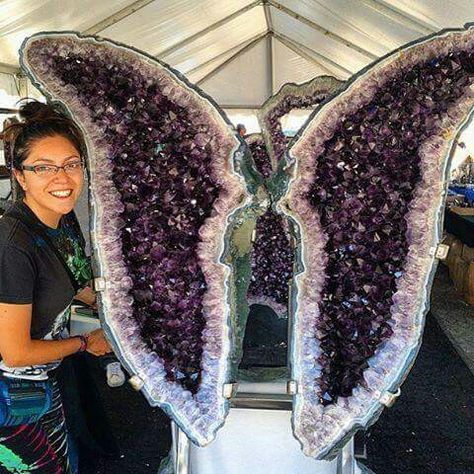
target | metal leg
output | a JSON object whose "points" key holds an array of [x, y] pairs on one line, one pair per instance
{"points": [[346, 463], [180, 450]]}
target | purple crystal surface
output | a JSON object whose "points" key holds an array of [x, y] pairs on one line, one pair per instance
{"points": [[291, 96], [259, 152], [272, 263], [366, 194], [272, 254], [163, 186], [362, 208], [167, 190]]}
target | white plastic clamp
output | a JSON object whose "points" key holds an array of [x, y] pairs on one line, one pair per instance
{"points": [[388, 398], [292, 387], [136, 382], [442, 251], [100, 284], [229, 390]]}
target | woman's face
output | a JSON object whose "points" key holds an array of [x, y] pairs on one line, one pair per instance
{"points": [[54, 195]]}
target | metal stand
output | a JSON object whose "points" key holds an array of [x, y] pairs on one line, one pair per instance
{"points": [[264, 405]]}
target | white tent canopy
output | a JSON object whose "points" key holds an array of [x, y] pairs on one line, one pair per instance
{"points": [[240, 51]]}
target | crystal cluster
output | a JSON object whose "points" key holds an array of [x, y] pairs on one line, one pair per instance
{"points": [[272, 254], [367, 196], [162, 188], [290, 97], [272, 263], [259, 152]]}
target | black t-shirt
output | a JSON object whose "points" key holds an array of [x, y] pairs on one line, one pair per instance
{"points": [[31, 272]]}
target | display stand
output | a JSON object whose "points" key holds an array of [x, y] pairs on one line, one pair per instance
{"points": [[257, 438]]}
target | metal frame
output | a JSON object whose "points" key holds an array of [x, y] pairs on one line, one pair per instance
{"points": [[241, 51], [270, 65], [346, 462], [205, 31], [315, 26], [117, 16], [223, 54], [300, 49], [9, 69], [271, 57], [402, 18]]}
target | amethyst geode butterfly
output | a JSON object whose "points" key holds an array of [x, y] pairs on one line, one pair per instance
{"points": [[167, 189], [367, 178], [362, 186]]}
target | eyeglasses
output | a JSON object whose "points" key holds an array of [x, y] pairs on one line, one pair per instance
{"points": [[50, 170]]}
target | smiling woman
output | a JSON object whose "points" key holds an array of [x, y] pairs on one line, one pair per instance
{"points": [[42, 267]]}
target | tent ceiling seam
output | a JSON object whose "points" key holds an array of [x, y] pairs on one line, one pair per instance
{"points": [[224, 53], [324, 31], [318, 55], [241, 51], [117, 17], [305, 56], [208, 29], [268, 15], [402, 18]]}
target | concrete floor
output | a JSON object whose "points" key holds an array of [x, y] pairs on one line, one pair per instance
{"points": [[455, 317]]}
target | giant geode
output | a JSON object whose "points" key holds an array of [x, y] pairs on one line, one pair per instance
{"points": [[367, 178], [291, 96], [273, 255], [166, 191]]}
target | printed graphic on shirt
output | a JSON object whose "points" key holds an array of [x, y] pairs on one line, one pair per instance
{"points": [[39, 372]]}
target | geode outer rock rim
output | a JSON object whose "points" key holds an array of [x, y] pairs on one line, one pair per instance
{"points": [[321, 86], [202, 415], [322, 431]]}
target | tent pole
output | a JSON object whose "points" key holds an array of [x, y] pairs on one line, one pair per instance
{"points": [[271, 58]]}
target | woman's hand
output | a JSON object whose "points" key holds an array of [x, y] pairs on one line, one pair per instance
{"points": [[87, 296], [97, 344]]}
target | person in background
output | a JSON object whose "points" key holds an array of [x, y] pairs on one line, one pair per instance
{"points": [[37, 280], [241, 130]]}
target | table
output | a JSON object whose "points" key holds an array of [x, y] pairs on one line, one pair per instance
{"points": [[460, 226]]}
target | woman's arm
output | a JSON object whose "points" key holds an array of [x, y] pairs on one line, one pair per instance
{"points": [[16, 346]]}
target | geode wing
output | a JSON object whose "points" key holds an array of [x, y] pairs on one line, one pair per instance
{"points": [[290, 97], [163, 194], [366, 193]]}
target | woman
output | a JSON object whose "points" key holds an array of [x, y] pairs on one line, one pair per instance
{"points": [[37, 283]]}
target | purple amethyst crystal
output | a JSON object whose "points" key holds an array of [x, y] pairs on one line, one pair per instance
{"points": [[160, 158], [259, 152], [366, 194], [272, 263], [291, 96], [272, 254]]}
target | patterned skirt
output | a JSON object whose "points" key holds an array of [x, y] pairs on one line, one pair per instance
{"points": [[37, 448]]}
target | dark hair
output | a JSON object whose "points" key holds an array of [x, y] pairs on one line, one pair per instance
{"points": [[240, 126], [38, 121]]}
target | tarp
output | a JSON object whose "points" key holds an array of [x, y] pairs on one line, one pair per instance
{"points": [[299, 38]]}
